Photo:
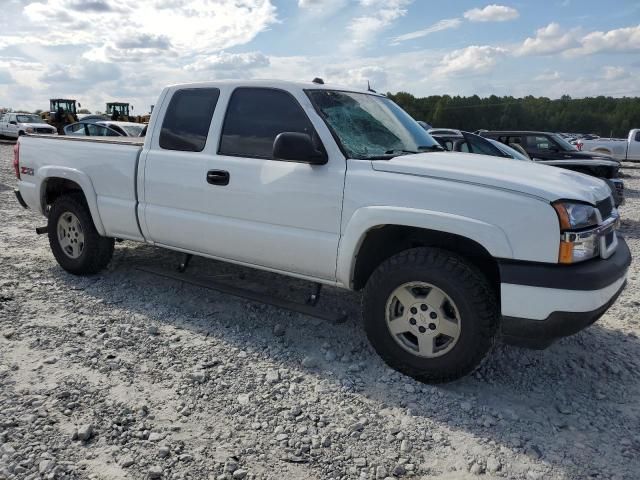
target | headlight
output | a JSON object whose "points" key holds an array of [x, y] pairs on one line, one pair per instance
{"points": [[579, 235], [575, 216], [29, 129]]}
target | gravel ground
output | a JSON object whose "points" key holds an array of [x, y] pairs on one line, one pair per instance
{"points": [[128, 375]]}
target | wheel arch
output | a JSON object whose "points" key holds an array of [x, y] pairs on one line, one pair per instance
{"points": [[58, 181], [604, 150], [360, 254]]}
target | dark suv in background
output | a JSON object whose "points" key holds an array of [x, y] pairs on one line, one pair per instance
{"points": [[552, 149]]}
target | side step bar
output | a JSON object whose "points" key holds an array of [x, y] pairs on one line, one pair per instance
{"points": [[305, 309]]}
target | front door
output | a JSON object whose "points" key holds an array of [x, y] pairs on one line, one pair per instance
{"points": [[218, 191]]}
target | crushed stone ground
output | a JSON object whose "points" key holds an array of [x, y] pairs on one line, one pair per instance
{"points": [[127, 375]]}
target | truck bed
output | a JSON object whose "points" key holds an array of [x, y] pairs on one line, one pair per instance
{"points": [[105, 168], [115, 140]]}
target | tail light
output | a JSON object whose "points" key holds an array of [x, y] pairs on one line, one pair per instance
{"points": [[16, 159]]}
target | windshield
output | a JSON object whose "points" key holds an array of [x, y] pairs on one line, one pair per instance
{"points": [[132, 130], [29, 119], [563, 143], [512, 152], [370, 127]]}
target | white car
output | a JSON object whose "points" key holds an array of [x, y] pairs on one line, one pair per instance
{"points": [[104, 128], [342, 187], [624, 150], [13, 125]]}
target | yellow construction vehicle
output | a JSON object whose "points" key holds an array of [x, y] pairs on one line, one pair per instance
{"points": [[62, 112], [122, 112]]}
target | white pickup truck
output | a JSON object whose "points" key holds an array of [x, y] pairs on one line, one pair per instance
{"points": [[341, 187], [13, 125], [624, 150]]}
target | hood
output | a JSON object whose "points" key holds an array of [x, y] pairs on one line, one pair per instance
{"points": [[548, 183], [37, 125], [571, 154]]}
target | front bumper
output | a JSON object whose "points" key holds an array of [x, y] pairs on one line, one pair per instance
{"points": [[541, 302], [21, 201]]}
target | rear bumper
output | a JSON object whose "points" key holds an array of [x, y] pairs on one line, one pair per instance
{"points": [[541, 303], [20, 199]]}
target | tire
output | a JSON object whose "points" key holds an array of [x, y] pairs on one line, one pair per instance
{"points": [[90, 255], [471, 306]]}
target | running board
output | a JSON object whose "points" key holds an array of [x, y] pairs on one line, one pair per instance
{"points": [[302, 308]]}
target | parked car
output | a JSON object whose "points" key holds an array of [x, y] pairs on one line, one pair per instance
{"points": [[342, 187], [624, 150], [551, 149], [13, 125], [461, 141], [105, 128]]}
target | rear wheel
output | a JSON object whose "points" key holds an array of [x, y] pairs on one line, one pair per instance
{"points": [[430, 314], [73, 238]]}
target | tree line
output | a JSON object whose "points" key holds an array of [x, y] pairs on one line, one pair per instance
{"points": [[603, 116]]}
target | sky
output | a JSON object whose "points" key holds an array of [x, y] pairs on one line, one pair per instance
{"points": [[127, 50]]}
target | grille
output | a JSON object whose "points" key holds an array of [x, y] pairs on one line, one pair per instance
{"points": [[43, 130], [605, 207]]}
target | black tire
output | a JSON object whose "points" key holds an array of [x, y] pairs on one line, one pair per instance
{"points": [[469, 289], [97, 250]]}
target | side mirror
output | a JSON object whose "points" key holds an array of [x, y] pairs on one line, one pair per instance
{"points": [[297, 147]]}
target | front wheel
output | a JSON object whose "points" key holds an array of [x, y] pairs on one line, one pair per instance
{"points": [[430, 314], [74, 240]]}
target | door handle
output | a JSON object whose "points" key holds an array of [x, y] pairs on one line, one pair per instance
{"points": [[218, 177]]}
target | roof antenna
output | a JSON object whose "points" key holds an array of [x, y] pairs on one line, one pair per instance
{"points": [[369, 89]]}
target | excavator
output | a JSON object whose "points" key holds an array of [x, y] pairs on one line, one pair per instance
{"points": [[119, 111], [62, 112]]}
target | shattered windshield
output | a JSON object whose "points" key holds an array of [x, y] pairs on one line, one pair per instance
{"points": [[370, 127], [29, 119]]}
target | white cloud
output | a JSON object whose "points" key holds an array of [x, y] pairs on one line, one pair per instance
{"points": [[554, 39], [380, 15], [548, 40], [322, 7], [188, 26], [492, 13], [360, 77], [446, 24], [614, 73], [229, 65], [621, 40], [548, 76], [472, 60]]}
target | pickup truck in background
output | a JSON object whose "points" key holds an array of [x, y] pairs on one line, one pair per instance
{"points": [[342, 187], [13, 125], [624, 150]]}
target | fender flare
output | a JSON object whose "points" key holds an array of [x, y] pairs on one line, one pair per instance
{"points": [[489, 236], [76, 176], [604, 150]]}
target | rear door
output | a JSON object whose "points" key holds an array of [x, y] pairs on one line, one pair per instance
{"points": [[218, 191]]}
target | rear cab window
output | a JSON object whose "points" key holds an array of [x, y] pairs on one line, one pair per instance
{"points": [[187, 120]]}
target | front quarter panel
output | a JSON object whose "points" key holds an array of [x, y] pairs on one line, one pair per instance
{"points": [[507, 224]]}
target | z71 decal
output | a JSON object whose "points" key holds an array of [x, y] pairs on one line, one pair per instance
{"points": [[26, 171]]}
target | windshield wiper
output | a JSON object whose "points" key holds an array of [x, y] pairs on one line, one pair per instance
{"points": [[408, 152], [432, 148]]}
